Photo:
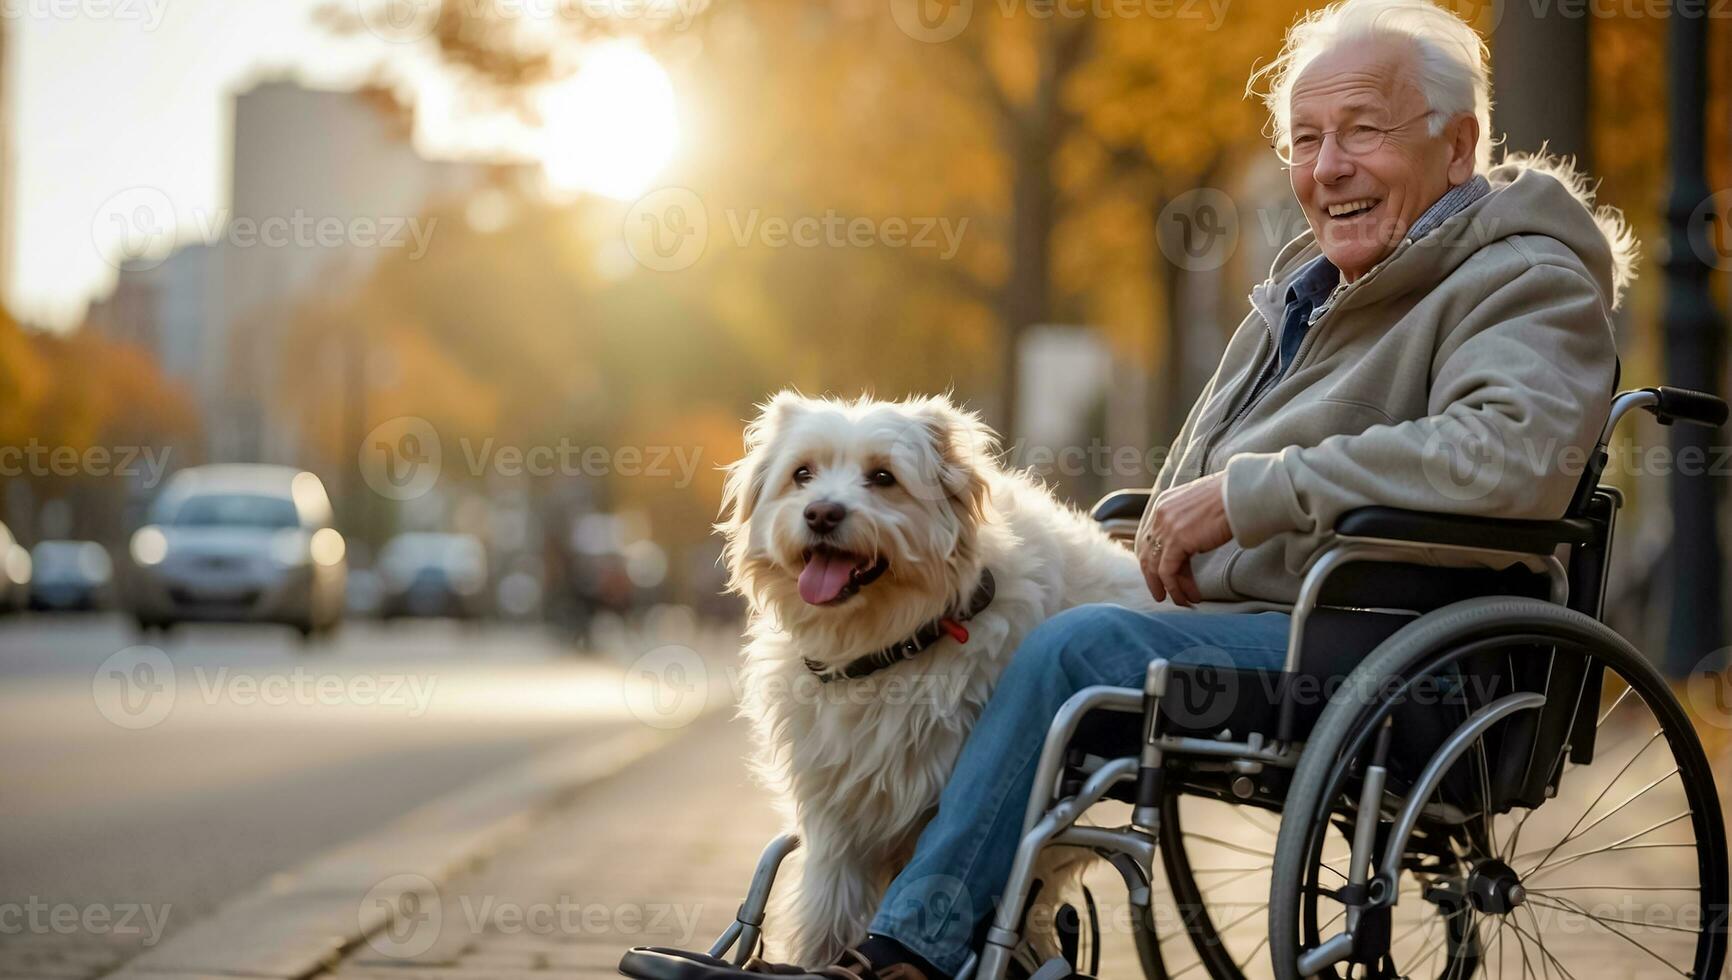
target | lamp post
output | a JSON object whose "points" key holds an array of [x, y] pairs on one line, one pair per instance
{"points": [[1692, 358]]}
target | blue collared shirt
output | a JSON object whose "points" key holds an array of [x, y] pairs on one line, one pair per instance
{"points": [[1311, 290]]}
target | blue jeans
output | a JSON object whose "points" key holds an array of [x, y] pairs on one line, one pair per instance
{"points": [[962, 859]]}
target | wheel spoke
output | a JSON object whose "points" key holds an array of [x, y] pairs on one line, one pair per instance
{"points": [[1485, 796], [1608, 788], [1242, 964], [1606, 816], [1615, 888], [1242, 918], [1522, 945], [1510, 842], [1618, 845], [1608, 920], [1243, 813], [1229, 845], [1242, 875], [1628, 690], [1541, 945], [1430, 945], [1614, 930]]}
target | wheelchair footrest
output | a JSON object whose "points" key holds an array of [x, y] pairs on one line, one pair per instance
{"points": [[666, 963], [1058, 968]]}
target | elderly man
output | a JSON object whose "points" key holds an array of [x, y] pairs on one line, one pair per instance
{"points": [[1437, 311]]}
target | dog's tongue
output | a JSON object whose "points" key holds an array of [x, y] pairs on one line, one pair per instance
{"points": [[825, 576]]}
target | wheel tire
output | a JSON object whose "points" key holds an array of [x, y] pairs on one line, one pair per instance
{"points": [[1429, 637]]}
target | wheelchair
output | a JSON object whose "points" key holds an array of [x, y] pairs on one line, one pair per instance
{"points": [[1459, 772]]}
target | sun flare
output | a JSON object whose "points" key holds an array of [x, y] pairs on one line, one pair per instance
{"points": [[612, 126]]}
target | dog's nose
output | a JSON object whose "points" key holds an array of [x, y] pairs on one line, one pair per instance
{"points": [[824, 515]]}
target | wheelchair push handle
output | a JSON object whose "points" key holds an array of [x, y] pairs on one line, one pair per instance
{"points": [[1667, 405], [1683, 405]]}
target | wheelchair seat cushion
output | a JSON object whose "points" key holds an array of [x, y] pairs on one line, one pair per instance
{"points": [[1396, 524]]}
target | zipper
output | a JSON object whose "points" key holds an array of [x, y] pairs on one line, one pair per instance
{"points": [[1259, 391], [1270, 359], [1256, 393]]}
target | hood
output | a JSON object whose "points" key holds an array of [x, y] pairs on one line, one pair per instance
{"points": [[1531, 194]]}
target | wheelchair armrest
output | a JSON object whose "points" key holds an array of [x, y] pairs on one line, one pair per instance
{"points": [[1420, 527], [1121, 505], [1398, 524]]}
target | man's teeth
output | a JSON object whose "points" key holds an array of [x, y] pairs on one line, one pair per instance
{"points": [[1337, 210]]}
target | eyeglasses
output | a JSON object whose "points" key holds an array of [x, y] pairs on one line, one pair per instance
{"points": [[1355, 140]]}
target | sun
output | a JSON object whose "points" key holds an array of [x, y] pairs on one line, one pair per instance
{"points": [[612, 126]]}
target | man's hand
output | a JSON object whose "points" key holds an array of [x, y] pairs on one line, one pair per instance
{"points": [[1181, 522]]}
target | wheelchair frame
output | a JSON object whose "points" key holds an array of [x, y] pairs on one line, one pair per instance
{"points": [[1050, 819]]}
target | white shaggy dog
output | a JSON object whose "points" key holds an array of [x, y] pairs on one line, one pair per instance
{"points": [[850, 526]]}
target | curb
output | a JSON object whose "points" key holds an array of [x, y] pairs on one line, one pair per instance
{"points": [[300, 922]]}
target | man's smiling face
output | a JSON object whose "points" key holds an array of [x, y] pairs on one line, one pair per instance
{"points": [[1361, 205]]}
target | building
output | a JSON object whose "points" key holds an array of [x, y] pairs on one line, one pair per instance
{"points": [[318, 180]]}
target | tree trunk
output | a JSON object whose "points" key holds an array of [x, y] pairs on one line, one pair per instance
{"points": [[1032, 134], [1026, 298], [1540, 77]]}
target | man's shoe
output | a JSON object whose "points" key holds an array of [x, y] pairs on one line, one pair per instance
{"points": [[851, 965], [663, 963]]}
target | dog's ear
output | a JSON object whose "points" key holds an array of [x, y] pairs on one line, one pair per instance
{"points": [[961, 451], [743, 489]]}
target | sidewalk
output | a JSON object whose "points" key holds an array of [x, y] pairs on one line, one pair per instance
{"points": [[659, 854], [662, 852]]}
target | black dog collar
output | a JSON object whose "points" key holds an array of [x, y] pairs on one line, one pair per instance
{"points": [[924, 637]]}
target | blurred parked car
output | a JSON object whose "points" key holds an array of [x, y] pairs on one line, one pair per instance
{"points": [[240, 543], [431, 574], [365, 594], [70, 575], [14, 573]]}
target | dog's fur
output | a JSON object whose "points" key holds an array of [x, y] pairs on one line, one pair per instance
{"points": [[860, 763]]}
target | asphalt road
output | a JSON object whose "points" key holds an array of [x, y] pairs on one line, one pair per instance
{"points": [[153, 782]]}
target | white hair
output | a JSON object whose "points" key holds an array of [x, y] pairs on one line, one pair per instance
{"points": [[1449, 67]]}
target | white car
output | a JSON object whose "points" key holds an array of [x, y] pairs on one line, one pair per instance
{"points": [[239, 543]]}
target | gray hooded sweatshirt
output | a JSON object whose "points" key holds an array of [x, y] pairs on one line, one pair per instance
{"points": [[1469, 372]]}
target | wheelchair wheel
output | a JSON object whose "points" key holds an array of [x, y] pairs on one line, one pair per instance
{"points": [[1580, 837], [1217, 858], [1217, 872]]}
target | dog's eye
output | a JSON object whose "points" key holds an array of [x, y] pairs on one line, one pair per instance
{"points": [[881, 478], [802, 476]]}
